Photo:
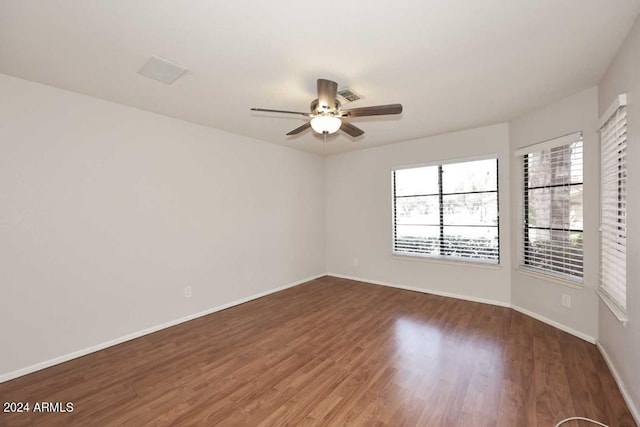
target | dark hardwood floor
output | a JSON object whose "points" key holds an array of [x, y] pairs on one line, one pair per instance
{"points": [[335, 352]]}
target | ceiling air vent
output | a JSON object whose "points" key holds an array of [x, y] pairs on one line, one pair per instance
{"points": [[348, 95], [161, 69]]}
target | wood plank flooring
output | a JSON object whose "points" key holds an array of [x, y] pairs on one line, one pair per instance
{"points": [[334, 352]]}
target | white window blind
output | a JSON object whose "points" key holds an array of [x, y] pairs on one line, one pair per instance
{"points": [[613, 206], [447, 210], [552, 231]]}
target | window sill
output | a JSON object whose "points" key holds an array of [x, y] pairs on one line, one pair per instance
{"points": [[446, 260], [550, 278], [620, 315]]}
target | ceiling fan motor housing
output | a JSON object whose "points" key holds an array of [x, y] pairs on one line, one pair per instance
{"points": [[321, 110]]}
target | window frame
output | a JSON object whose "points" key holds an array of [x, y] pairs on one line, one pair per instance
{"points": [[440, 257], [522, 159]]}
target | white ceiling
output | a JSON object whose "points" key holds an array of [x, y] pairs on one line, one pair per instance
{"points": [[452, 64]]}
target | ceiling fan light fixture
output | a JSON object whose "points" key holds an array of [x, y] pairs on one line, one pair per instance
{"points": [[325, 124]]}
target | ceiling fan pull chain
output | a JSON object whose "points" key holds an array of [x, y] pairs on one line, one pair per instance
{"points": [[324, 148]]}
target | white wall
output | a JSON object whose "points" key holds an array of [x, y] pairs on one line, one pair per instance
{"points": [[621, 343], [541, 295], [108, 212], [358, 203]]}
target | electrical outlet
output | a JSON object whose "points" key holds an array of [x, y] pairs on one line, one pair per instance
{"points": [[187, 292], [355, 262], [566, 300]]}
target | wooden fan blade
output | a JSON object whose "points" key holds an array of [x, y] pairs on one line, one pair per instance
{"points": [[327, 91], [350, 129], [300, 129], [265, 110], [378, 110]]}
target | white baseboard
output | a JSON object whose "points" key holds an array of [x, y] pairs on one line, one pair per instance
{"points": [[423, 290], [92, 349], [555, 324], [625, 393], [543, 319], [61, 359]]}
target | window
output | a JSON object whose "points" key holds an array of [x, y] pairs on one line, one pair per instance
{"points": [[552, 207], [448, 210], [613, 208]]}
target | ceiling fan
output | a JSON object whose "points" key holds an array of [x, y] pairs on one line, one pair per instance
{"points": [[327, 116]]}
